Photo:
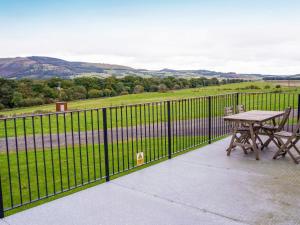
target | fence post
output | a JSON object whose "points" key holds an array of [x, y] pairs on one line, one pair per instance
{"points": [[298, 115], [209, 119], [1, 200], [237, 98], [169, 130], [105, 144]]}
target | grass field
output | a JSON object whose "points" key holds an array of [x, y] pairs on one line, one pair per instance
{"points": [[89, 120], [154, 97], [36, 174]]}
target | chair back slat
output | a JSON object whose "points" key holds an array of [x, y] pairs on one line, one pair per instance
{"points": [[241, 108], [228, 111], [284, 119]]}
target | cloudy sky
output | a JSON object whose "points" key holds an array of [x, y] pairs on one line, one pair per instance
{"points": [[257, 36]]}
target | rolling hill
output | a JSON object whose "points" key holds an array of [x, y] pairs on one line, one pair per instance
{"points": [[44, 67], [41, 67]]}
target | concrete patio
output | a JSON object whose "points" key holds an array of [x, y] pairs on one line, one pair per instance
{"points": [[200, 187]]}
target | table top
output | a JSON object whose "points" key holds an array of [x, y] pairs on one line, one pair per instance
{"points": [[258, 116]]}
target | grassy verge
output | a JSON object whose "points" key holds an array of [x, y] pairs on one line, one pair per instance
{"points": [[258, 86], [37, 174]]}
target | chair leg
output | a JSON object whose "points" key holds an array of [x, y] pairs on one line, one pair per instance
{"points": [[243, 139], [277, 143], [266, 144], [282, 150], [259, 139], [292, 156], [231, 143]]}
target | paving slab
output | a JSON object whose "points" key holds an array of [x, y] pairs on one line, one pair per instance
{"points": [[200, 187], [2, 222], [112, 204], [238, 187]]}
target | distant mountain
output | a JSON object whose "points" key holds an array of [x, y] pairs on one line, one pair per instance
{"points": [[43, 67]]}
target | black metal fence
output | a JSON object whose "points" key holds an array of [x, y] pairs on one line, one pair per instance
{"points": [[47, 154]]}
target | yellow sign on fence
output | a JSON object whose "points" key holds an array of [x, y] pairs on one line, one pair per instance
{"points": [[140, 158]]}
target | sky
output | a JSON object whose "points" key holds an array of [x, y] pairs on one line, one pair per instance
{"points": [[223, 35]]}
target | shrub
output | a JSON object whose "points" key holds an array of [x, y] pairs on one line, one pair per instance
{"points": [[253, 87], [153, 88], [176, 87], [162, 88], [278, 86], [250, 87], [77, 92], [2, 106], [124, 93], [267, 87], [94, 93], [138, 89], [107, 92], [32, 101]]}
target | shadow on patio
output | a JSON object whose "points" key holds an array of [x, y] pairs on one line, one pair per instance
{"points": [[200, 187]]}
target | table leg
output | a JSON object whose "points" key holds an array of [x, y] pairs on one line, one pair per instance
{"points": [[254, 141], [232, 140]]}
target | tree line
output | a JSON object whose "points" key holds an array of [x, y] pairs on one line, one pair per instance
{"points": [[29, 92], [282, 78]]}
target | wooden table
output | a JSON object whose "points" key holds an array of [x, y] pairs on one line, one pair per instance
{"points": [[250, 118]]}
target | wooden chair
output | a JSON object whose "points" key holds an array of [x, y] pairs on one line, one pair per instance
{"points": [[287, 141], [228, 111], [240, 134], [271, 129]]}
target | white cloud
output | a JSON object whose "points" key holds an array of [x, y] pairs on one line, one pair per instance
{"points": [[269, 48]]}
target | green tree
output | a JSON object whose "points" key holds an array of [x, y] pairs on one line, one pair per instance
{"points": [[17, 99]]}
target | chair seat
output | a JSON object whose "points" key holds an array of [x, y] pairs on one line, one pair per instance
{"points": [[270, 127], [284, 134]]}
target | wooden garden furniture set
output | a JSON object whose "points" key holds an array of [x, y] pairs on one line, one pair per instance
{"points": [[247, 126]]}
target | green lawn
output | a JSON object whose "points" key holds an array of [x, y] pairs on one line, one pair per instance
{"points": [[141, 114], [55, 170], [154, 97]]}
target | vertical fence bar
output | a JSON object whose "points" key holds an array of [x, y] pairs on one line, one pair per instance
{"points": [[169, 130], [1, 200], [298, 114], [209, 119], [105, 143]]}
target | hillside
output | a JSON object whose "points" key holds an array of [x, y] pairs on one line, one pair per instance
{"points": [[44, 67]]}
